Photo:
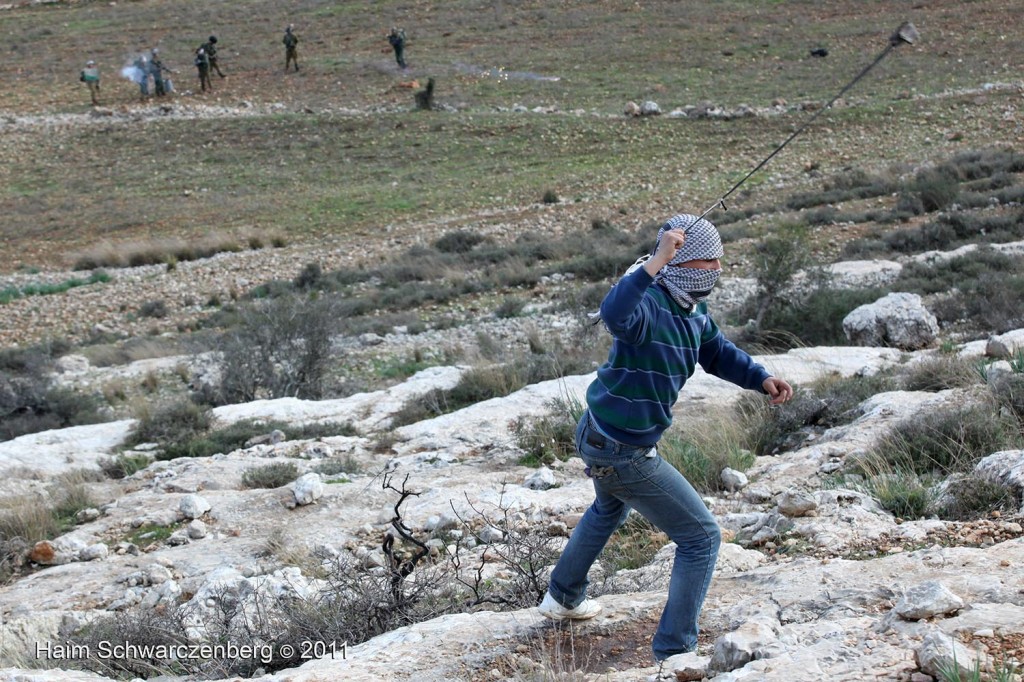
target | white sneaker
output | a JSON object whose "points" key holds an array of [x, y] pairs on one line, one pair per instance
{"points": [[549, 608]]}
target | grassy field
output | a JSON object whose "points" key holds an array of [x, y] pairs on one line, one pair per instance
{"points": [[344, 155]]}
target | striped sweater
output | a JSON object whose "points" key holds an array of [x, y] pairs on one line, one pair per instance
{"points": [[657, 344]]}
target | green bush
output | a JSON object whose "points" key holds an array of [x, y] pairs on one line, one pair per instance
{"points": [[309, 277], [9, 294], [828, 402], [988, 288], [280, 348], [30, 404], [460, 241], [903, 493], [939, 373], [204, 442], [157, 308], [1008, 391], [815, 320], [973, 497], [633, 545], [170, 423], [510, 306], [933, 189], [991, 302], [702, 466], [494, 381], [334, 466], [549, 438], [272, 475], [947, 440], [957, 273], [123, 465]]}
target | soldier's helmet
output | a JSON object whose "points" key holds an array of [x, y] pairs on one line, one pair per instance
{"points": [[213, 39], [90, 63]]}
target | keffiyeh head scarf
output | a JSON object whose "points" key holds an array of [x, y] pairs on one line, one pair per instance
{"points": [[688, 286]]}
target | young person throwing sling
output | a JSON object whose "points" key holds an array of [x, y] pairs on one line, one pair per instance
{"points": [[661, 329]]}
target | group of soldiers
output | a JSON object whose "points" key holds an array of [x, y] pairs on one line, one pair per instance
{"points": [[145, 67], [396, 37], [149, 66]]}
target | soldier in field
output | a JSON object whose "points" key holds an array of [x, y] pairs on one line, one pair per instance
{"points": [[91, 77], [210, 48], [291, 43]]}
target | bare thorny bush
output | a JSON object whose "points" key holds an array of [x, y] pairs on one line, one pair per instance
{"points": [[280, 348], [354, 602]]}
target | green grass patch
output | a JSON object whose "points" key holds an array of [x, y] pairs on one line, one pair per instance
{"points": [[151, 534], [549, 438], [705, 447], [9, 294]]}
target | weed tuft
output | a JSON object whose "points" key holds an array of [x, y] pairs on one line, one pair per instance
{"points": [[272, 475]]}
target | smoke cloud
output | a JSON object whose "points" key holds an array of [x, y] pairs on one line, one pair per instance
{"points": [[136, 70]]}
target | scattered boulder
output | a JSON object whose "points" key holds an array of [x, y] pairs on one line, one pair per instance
{"points": [[490, 534], [94, 552], [1005, 345], [196, 529], [687, 667], [446, 520], [72, 364], [650, 109], [898, 319], [44, 553], [928, 599], [193, 506], [939, 652], [733, 480], [737, 648], [273, 438], [178, 538], [87, 515], [794, 503], [541, 479], [1006, 467], [308, 488]]}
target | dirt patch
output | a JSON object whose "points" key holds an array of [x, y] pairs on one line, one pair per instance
{"points": [[572, 650]]}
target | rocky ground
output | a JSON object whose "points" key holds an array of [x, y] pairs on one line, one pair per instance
{"points": [[849, 593], [846, 591]]}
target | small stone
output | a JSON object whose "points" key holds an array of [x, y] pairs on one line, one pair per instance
{"points": [[94, 552], [196, 529], [193, 506]]}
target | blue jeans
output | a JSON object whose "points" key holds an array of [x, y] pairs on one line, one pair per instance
{"points": [[625, 477]]}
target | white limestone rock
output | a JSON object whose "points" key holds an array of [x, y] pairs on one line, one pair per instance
{"points": [[939, 651], [308, 488], [794, 503], [897, 319], [930, 598], [541, 479], [193, 506], [733, 480]]}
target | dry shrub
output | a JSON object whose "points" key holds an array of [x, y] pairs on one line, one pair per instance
{"points": [[153, 252], [939, 373], [280, 348]]}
